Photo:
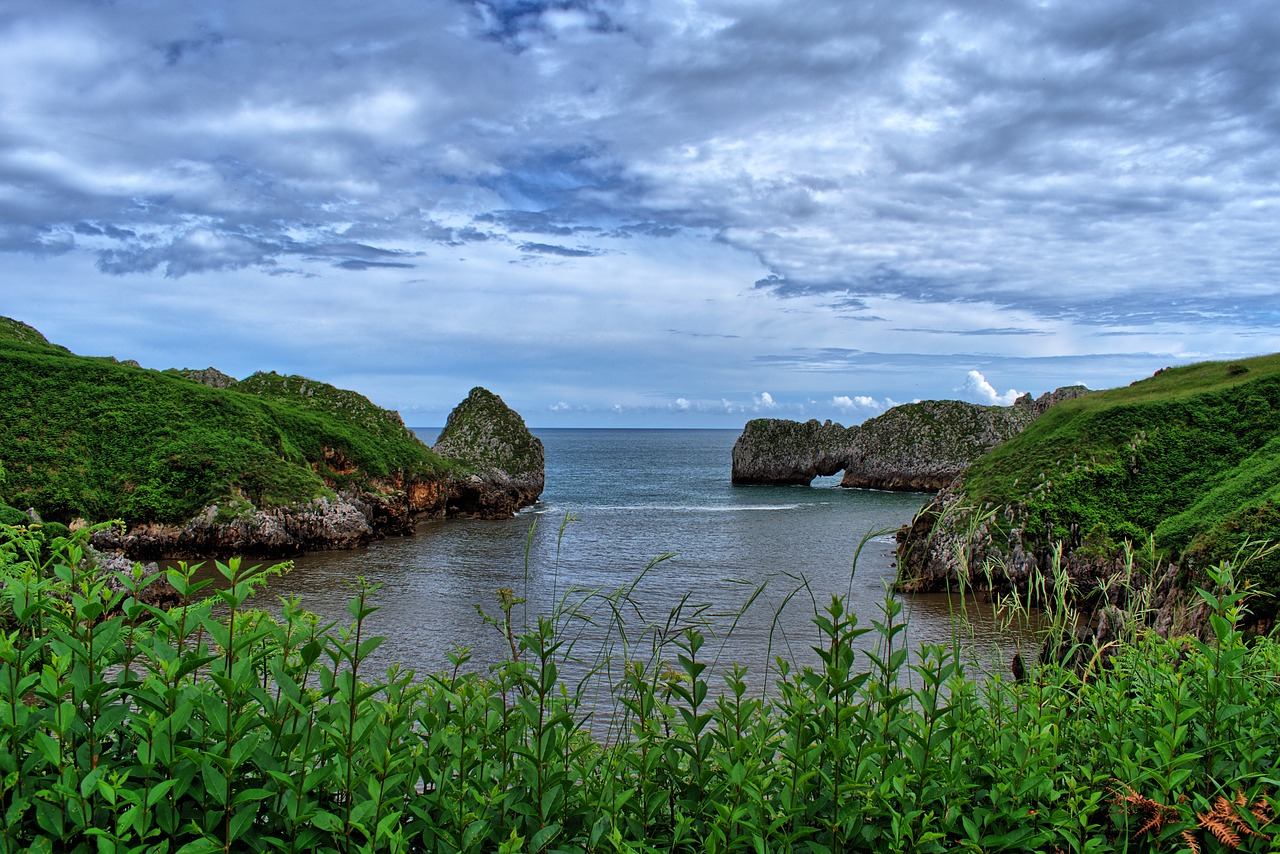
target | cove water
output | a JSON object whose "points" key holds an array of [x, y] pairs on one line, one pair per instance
{"points": [[615, 502]]}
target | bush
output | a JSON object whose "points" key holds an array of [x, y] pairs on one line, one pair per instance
{"points": [[12, 516]]}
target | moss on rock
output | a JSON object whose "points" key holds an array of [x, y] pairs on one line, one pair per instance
{"points": [[506, 461]]}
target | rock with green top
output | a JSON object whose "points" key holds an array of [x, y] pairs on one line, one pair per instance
{"points": [[1172, 474], [506, 462], [922, 447], [777, 451]]}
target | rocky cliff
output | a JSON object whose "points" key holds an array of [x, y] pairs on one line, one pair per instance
{"points": [[348, 520], [505, 463], [1120, 502], [773, 450], [917, 447], [500, 470], [922, 447]]}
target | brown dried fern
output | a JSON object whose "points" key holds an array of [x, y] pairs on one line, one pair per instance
{"points": [[1154, 814], [1227, 824], [1225, 820]]}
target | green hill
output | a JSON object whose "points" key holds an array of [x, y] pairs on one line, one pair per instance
{"points": [[1190, 456], [96, 439]]}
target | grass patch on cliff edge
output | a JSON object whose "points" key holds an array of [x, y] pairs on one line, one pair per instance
{"points": [[1189, 456], [92, 438]]}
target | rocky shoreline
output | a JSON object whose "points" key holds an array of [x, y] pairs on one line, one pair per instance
{"points": [[950, 544]]}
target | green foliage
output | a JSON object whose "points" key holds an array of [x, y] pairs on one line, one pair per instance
{"points": [[16, 331], [12, 516], [1176, 456], [94, 439], [214, 726]]}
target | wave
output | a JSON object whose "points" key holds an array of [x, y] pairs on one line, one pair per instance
{"points": [[674, 508]]}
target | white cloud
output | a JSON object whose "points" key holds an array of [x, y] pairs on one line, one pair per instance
{"points": [[764, 400], [977, 389], [846, 403], [683, 405]]}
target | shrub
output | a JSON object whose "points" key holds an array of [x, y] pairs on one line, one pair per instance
{"points": [[12, 516]]}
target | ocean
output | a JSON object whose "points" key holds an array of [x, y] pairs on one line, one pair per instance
{"points": [[651, 512]]}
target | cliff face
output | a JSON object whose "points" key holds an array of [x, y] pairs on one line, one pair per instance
{"points": [[1148, 484], [772, 450], [916, 447], [922, 447], [505, 462]]}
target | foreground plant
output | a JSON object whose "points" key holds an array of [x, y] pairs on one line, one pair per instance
{"points": [[127, 727]]}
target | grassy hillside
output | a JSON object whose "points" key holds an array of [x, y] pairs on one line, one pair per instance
{"points": [[96, 439], [1190, 455]]}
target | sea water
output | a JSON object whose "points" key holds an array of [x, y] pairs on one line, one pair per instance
{"points": [[652, 513]]}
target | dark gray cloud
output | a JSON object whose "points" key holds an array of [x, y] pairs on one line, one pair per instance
{"points": [[562, 251], [893, 175]]}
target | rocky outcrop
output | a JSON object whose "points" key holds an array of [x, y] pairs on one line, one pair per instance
{"points": [[950, 544], [210, 376], [500, 468], [915, 447], [773, 450], [505, 462], [922, 447], [346, 521]]}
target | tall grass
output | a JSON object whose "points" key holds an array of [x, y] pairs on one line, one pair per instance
{"points": [[213, 726]]}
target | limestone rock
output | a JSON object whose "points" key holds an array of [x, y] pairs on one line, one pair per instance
{"points": [[915, 447], [340, 523], [506, 463], [774, 450], [210, 376], [922, 447]]}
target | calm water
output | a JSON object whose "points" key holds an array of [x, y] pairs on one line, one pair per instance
{"points": [[632, 496]]}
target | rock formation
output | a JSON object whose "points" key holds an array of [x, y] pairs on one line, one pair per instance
{"points": [[505, 462], [916, 447], [199, 464], [922, 447], [347, 521], [950, 543], [1120, 506], [210, 376], [773, 450]]}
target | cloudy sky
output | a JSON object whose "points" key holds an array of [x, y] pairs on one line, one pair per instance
{"points": [[646, 212]]}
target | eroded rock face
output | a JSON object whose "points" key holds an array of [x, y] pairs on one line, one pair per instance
{"points": [[507, 463], [949, 544], [915, 447], [922, 447], [773, 450], [341, 523], [210, 376], [347, 521]]}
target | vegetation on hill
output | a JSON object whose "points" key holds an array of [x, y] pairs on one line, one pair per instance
{"points": [[1190, 456], [95, 439], [16, 331]]}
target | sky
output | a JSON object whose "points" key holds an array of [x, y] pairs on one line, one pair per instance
{"points": [[646, 213]]}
